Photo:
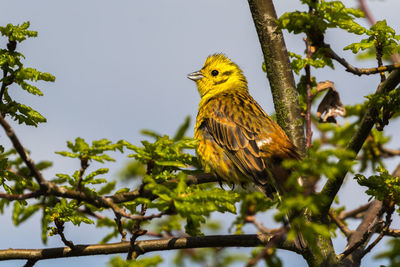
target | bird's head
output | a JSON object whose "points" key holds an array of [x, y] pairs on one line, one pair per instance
{"points": [[218, 74]]}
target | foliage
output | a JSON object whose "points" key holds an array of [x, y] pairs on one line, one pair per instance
{"points": [[382, 186], [15, 72], [381, 38]]}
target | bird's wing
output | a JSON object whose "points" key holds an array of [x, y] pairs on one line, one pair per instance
{"points": [[234, 125]]}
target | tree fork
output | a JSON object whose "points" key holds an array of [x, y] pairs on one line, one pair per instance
{"points": [[286, 103]]}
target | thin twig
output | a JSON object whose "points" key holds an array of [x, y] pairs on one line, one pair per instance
{"points": [[87, 211], [84, 166], [261, 227], [356, 245], [22, 153], [387, 152], [307, 68], [136, 231], [155, 234], [345, 230], [386, 226], [359, 71], [147, 246], [7, 80], [60, 231], [393, 232], [360, 237], [30, 263], [356, 213], [367, 12], [4, 84], [265, 252], [119, 226], [379, 54], [33, 194]]}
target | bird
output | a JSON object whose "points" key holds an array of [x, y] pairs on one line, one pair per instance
{"points": [[238, 141]]}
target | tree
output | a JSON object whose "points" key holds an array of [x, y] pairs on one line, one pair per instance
{"points": [[172, 189]]}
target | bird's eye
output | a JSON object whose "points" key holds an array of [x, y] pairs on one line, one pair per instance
{"points": [[214, 73]]}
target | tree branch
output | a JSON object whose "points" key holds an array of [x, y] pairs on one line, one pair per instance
{"points": [[22, 153], [393, 232], [370, 224], [279, 72], [359, 71], [354, 213], [345, 230], [388, 221], [33, 194], [147, 246], [307, 69]]}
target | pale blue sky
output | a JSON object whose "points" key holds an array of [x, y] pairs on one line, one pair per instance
{"points": [[121, 66]]}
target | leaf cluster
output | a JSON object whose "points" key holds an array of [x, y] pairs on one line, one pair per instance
{"points": [[324, 15], [14, 72], [382, 186], [381, 37]]}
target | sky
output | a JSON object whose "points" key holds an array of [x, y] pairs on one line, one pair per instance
{"points": [[121, 66]]}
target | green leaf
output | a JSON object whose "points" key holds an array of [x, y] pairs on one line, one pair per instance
{"points": [[67, 154], [17, 32]]}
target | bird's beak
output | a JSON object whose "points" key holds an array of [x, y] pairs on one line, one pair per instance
{"points": [[194, 76]]}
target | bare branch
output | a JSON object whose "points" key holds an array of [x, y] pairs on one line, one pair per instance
{"points": [[147, 246], [264, 253], [388, 221], [120, 228], [261, 227], [309, 132], [84, 166], [33, 194], [136, 232], [345, 230], [370, 224], [22, 153], [359, 71], [60, 231], [30, 263], [87, 211], [393, 232], [359, 239], [356, 213], [388, 152], [7, 80]]}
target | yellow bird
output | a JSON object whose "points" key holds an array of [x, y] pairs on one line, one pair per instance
{"points": [[238, 140]]}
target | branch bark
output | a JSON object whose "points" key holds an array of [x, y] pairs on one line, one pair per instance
{"points": [[22, 153], [279, 72], [365, 230], [287, 107], [146, 246]]}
